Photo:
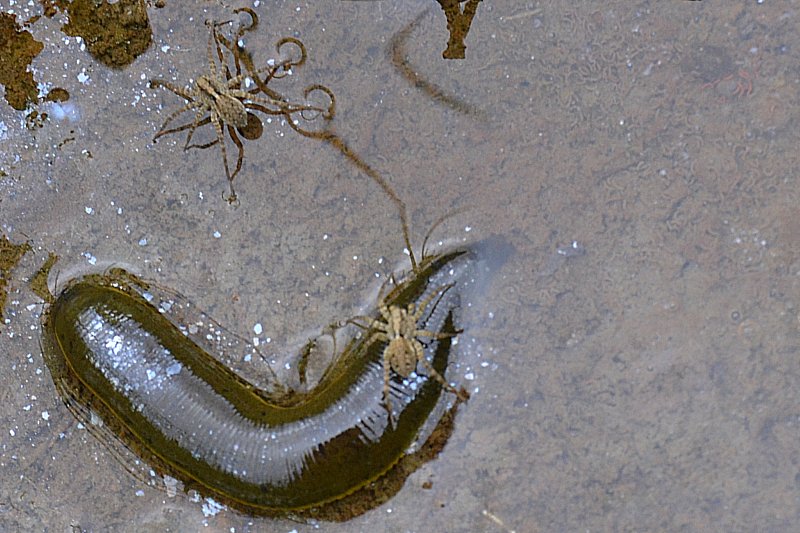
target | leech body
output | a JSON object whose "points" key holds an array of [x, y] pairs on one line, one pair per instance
{"points": [[193, 418]]}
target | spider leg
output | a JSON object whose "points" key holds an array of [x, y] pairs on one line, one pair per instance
{"points": [[184, 127], [216, 37], [436, 224], [220, 39], [240, 148], [234, 48], [242, 94], [183, 93], [262, 87], [253, 20], [381, 294], [172, 116], [434, 335], [387, 400], [352, 321], [221, 138], [203, 146], [212, 66], [289, 63], [285, 65], [421, 309], [267, 111], [197, 121], [438, 377]]}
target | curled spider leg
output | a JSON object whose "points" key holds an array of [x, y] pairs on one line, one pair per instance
{"points": [[422, 306], [253, 20], [235, 48], [337, 142], [330, 111], [277, 71], [290, 63]]}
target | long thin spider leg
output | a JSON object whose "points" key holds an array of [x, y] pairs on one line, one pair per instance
{"points": [[240, 147], [289, 63], [220, 39], [203, 146], [337, 142], [253, 20], [212, 66], [197, 120], [435, 335], [436, 224], [232, 198], [381, 291], [172, 116], [247, 59], [220, 136], [248, 96], [183, 93], [438, 377], [424, 304], [236, 81], [387, 400], [185, 127], [216, 37], [232, 45], [285, 112], [370, 321]]}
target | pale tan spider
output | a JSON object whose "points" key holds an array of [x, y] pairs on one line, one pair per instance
{"points": [[398, 327], [218, 97]]}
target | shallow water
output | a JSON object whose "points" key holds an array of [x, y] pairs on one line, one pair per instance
{"points": [[633, 364]]}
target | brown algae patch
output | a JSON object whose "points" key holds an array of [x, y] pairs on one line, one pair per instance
{"points": [[17, 50], [115, 34], [10, 254]]}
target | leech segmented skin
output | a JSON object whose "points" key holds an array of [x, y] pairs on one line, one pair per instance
{"points": [[188, 415]]}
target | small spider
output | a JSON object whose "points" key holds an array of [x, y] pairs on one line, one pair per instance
{"points": [[219, 98], [398, 328]]}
